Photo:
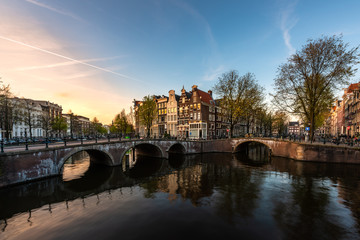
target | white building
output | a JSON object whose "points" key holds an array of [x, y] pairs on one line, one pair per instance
{"points": [[28, 111], [172, 113]]}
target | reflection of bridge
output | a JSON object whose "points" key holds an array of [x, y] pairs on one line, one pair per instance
{"points": [[23, 166]]}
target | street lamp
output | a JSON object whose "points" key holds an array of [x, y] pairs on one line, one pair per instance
{"points": [[26, 140]]}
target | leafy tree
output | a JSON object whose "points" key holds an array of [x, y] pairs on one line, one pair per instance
{"points": [[121, 122], [239, 96], [97, 127], [305, 85], [59, 124], [147, 112], [279, 122]]}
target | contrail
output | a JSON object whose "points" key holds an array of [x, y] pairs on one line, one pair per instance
{"points": [[68, 58], [55, 10], [68, 63]]}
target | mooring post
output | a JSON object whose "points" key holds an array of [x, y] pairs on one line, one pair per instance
{"points": [[65, 141], [46, 142]]}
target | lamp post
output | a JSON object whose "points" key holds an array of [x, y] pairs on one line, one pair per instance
{"points": [[26, 141], [2, 141], [2, 145]]}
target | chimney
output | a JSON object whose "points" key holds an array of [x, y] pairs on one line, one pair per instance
{"points": [[210, 92], [194, 88]]}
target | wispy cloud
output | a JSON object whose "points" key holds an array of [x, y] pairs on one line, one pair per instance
{"points": [[200, 18], [68, 58], [287, 22], [62, 64], [212, 74], [59, 11]]}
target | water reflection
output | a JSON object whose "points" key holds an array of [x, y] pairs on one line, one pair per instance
{"points": [[76, 166], [223, 195]]}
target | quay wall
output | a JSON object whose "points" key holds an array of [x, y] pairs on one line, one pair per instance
{"points": [[22, 166]]}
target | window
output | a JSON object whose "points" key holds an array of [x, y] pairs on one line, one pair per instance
{"points": [[198, 116], [198, 106]]}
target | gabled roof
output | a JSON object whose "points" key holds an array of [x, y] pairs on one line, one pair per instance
{"points": [[206, 97], [352, 87]]}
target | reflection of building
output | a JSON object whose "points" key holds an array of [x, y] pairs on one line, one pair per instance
{"points": [[177, 185]]}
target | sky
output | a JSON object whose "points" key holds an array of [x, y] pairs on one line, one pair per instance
{"points": [[94, 57]]}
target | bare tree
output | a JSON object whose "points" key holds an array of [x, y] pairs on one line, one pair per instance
{"points": [[305, 85], [46, 123], [28, 116], [9, 111]]}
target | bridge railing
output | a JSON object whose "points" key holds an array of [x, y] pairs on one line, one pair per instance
{"points": [[25, 145], [12, 146]]}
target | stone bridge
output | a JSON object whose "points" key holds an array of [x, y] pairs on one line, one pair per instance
{"points": [[16, 167]]}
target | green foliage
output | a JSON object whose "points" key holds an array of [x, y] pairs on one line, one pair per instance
{"points": [[239, 95], [96, 128], [147, 112], [59, 124]]}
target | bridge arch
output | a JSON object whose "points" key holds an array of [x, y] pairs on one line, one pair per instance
{"points": [[147, 149], [247, 142], [96, 156], [177, 148]]}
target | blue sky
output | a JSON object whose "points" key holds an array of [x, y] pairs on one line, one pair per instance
{"points": [[95, 56]]}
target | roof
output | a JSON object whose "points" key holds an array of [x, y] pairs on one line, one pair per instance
{"points": [[352, 87], [292, 124], [206, 97]]}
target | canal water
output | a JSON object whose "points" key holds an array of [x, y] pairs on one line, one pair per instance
{"points": [[207, 196]]}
